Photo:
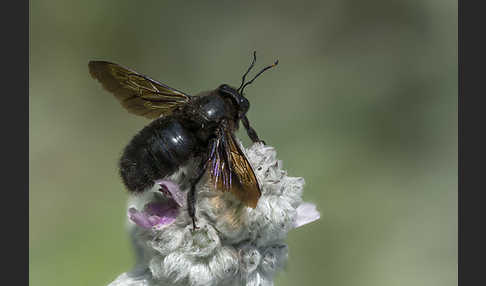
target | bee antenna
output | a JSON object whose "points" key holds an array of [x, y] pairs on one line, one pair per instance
{"points": [[257, 75], [251, 66]]}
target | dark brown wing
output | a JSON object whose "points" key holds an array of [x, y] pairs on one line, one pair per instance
{"points": [[139, 94], [229, 170]]}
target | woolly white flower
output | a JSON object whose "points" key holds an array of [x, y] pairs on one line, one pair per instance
{"points": [[234, 245]]}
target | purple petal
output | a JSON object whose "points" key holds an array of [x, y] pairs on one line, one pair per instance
{"points": [[165, 220], [178, 196], [306, 213], [161, 213], [159, 208], [154, 214], [139, 218], [161, 221], [153, 219]]}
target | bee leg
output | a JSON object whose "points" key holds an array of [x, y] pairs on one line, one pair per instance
{"points": [[250, 131], [191, 208], [191, 196], [191, 202]]}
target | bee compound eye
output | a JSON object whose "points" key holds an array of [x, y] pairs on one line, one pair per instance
{"points": [[224, 87]]}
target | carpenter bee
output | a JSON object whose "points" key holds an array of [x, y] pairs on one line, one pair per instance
{"points": [[184, 127]]}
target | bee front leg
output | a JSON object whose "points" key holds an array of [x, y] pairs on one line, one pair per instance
{"points": [[250, 131]]}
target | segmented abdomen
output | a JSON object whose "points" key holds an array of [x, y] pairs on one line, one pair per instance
{"points": [[155, 152]]}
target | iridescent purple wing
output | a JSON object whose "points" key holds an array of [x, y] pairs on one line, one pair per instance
{"points": [[230, 171]]}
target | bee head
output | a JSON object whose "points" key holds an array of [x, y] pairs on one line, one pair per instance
{"points": [[242, 104], [237, 95]]}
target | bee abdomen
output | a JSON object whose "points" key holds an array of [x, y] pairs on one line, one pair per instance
{"points": [[157, 151]]}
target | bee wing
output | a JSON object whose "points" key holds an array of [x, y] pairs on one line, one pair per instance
{"points": [[229, 170], [137, 93]]}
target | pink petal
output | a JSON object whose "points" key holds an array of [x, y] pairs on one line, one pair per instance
{"points": [[154, 214], [178, 196], [153, 219], [306, 213], [165, 220], [139, 218], [161, 213], [159, 208]]}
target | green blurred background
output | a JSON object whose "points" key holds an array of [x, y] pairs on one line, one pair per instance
{"points": [[363, 105]]}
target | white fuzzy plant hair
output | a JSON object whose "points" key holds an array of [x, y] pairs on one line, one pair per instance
{"points": [[234, 245]]}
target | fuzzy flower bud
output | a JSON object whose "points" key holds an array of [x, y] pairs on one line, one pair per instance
{"points": [[234, 245]]}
